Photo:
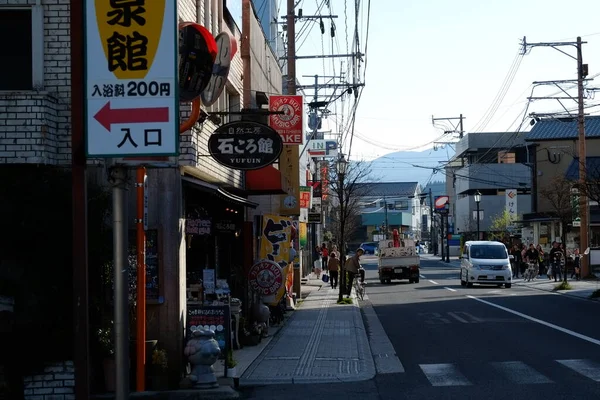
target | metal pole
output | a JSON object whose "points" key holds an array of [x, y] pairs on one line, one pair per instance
{"points": [[342, 277], [447, 240], [478, 236], [118, 177], [387, 227], [141, 282], [431, 228], [291, 50], [81, 319], [442, 236], [583, 200]]}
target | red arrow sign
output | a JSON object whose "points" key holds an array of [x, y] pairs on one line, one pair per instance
{"points": [[108, 116]]}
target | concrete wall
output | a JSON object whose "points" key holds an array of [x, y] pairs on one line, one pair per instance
{"points": [[491, 207]]}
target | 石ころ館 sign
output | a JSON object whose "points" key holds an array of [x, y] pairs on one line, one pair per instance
{"points": [[131, 78]]}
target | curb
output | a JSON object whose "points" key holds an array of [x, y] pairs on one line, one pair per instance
{"points": [[563, 292]]}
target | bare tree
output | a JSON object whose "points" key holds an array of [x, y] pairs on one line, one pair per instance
{"points": [[354, 188], [558, 193], [591, 188]]}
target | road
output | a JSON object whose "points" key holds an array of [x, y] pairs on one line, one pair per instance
{"points": [[476, 343]]}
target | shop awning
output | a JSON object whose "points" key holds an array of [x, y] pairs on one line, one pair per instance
{"points": [[218, 191]]}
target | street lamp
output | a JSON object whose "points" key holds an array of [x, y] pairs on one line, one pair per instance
{"points": [[477, 201], [342, 167]]}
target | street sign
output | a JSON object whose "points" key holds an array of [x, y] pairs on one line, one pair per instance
{"points": [[132, 104], [323, 148], [442, 204]]}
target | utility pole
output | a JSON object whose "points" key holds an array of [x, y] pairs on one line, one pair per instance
{"points": [[582, 72], [387, 227], [456, 127]]}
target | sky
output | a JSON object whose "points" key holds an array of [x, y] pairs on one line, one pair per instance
{"points": [[444, 58]]}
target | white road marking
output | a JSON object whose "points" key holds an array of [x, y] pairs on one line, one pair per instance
{"points": [[444, 375], [422, 276], [520, 373], [587, 368], [450, 289], [456, 317], [434, 282], [539, 321]]}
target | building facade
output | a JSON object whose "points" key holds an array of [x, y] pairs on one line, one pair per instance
{"points": [[556, 154], [35, 130], [488, 163]]}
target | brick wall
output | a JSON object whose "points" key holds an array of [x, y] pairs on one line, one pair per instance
{"points": [[35, 127], [55, 383]]}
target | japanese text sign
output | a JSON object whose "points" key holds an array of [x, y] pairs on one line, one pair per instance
{"points": [[511, 203], [290, 124], [305, 196], [214, 318], [245, 145], [132, 105]]}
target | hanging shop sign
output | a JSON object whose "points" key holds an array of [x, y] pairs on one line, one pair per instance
{"points": [[323, 148], [197, 53], [266, 277], [198, 226], [290, 124], [245, 145], [442, 204], [226, 49], [305, 192], [131, 100]]}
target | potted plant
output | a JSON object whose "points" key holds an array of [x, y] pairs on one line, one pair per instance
{"points": [[158, 373], [231, 363], [107, 347]]}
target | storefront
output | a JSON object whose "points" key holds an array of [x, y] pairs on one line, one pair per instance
{"points": [[214, 241]]}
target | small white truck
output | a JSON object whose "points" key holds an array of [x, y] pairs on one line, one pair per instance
{"points": [[398, 262]]}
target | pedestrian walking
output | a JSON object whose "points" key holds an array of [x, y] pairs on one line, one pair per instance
{"points": [[352, 267], [324, 256], [333, 265]]}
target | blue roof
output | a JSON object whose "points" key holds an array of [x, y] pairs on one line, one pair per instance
{"points": [[592, 168], [390, 189], [563, 128]]}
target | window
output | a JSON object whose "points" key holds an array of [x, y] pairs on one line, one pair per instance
{"points": [[489, 252], [16, 66], [505, 157], [401, 204], [22, 66]]}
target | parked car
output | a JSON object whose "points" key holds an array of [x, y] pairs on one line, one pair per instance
{"points": [[370, 247], [485, 263]]}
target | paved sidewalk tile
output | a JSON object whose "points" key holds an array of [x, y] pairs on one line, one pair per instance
{"points": [[322, 342]]}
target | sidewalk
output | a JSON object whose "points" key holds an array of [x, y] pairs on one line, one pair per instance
{"points": [[248, 354], [321, 342], [581, 289]]}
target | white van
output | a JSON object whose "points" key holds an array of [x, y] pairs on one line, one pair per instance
{"points": [[486, 263]]}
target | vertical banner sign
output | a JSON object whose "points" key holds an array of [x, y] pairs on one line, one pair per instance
{"points": [[511, 203], [575, 208], [132, 104], [290, 124], [303, 234], [289, 166], [275, 241], [324, 180], [305, 196]]}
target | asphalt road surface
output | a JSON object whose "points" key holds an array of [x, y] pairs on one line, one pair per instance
{"points": [[474, 343]]}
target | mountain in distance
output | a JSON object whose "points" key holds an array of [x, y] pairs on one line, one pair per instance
{"points": [[411, 166]]}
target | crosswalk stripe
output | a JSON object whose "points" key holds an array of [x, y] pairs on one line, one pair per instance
{"points": [[444, 375], [520, 373], [587, 368]]}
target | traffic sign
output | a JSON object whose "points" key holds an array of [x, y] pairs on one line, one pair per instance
{"points": [[132, 104]]}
